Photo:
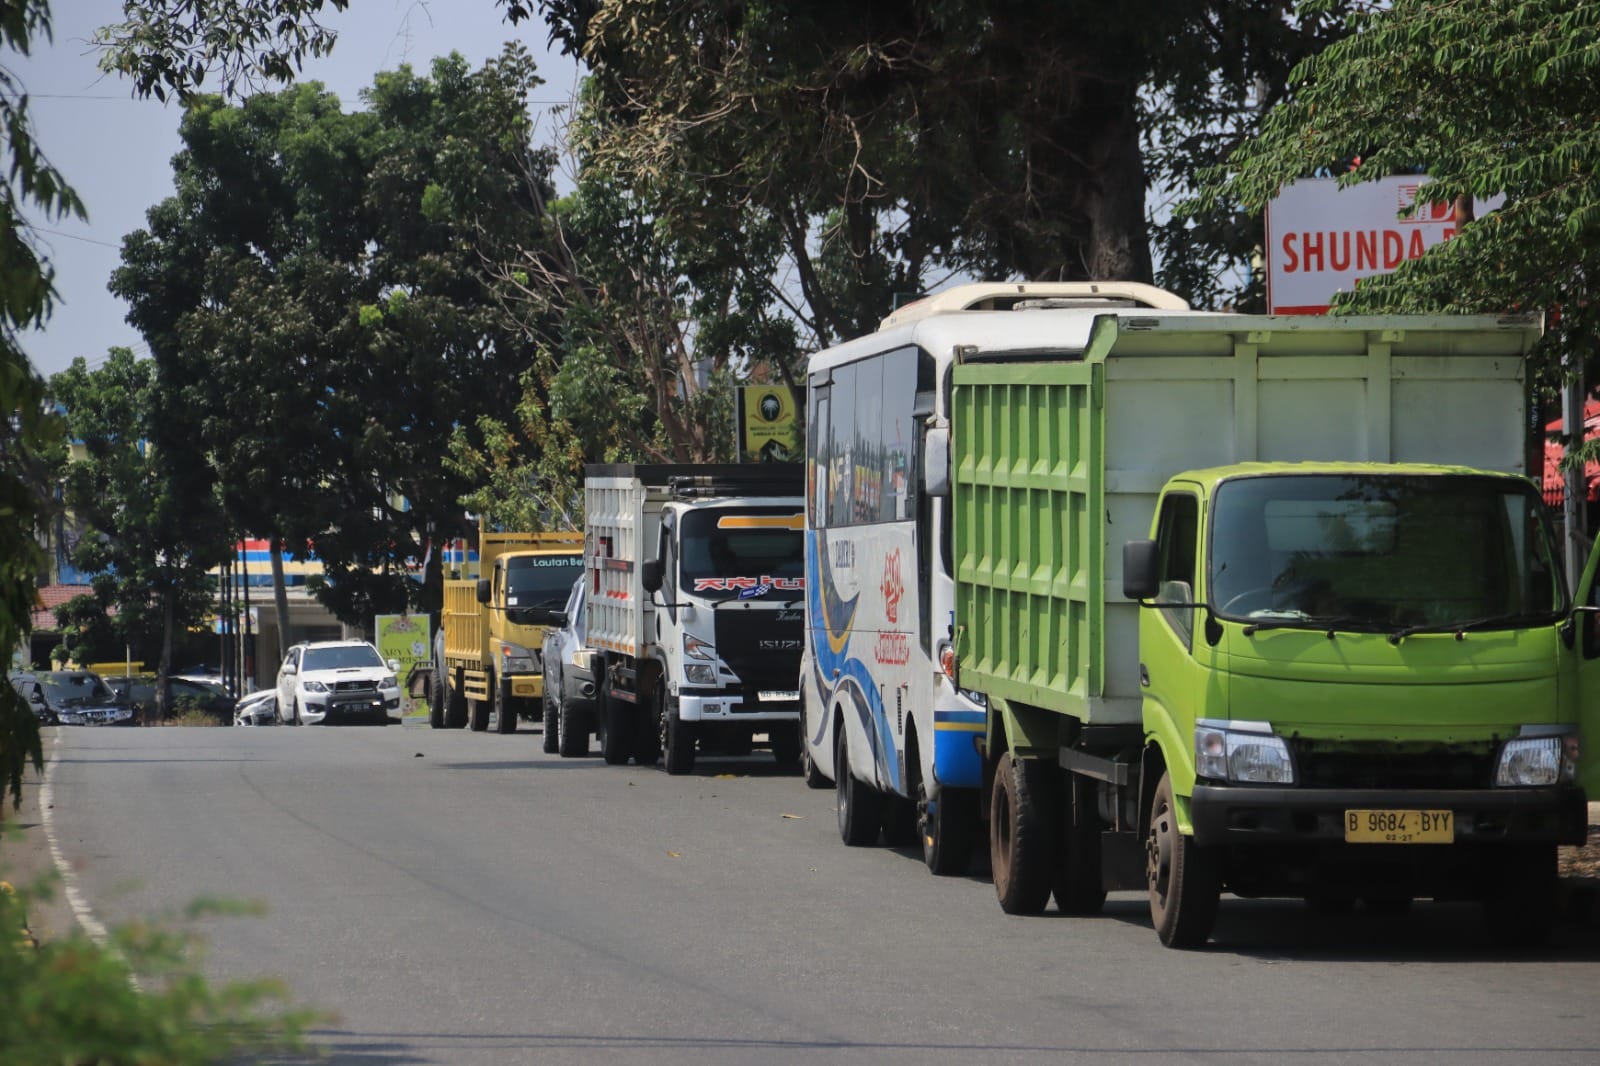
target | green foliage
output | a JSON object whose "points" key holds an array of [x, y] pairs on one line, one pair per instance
{"points": [[71, 1000], [27, 433], [166, 47], [1486, 98], [152, 526], [88, 633]]}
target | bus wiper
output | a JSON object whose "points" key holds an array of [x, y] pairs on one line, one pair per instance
{"points": [[1300, 620], [1466, 626]]}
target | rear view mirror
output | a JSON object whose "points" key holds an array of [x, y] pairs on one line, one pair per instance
{"points": [[650, 574], [483, 590], [1140, 576], [936, 461], [394, 666]]}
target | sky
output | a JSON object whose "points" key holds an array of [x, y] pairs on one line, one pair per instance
{"points": [[116, 150]]}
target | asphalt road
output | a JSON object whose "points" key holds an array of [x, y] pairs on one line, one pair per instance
{"points": [[464, 898]]}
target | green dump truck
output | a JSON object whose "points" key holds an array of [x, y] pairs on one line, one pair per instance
{"points": [[1247, 604]]}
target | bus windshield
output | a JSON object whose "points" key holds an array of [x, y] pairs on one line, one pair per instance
{"points": [[752, 553], [1383, 552]]}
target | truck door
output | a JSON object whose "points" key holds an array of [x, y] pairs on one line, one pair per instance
{"points": [[1172, 680]]}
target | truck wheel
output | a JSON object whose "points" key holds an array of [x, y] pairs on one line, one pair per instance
{"points": [[552, 724], [677, 737], [860, 805], [1185, 879], [435, 705], [505, 708], [647, 732], [615, 740], [945, 825], [1078, 887], [1021, 834], [786, 745], [1519, 901], [455, 706], [477, 714]]}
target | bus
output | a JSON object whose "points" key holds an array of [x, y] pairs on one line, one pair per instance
{"points": [[882, 717]]}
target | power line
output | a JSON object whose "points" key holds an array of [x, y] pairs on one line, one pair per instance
{"points": [[75, 237]]}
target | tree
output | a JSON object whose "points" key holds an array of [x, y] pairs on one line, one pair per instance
{"points": [[152, 524], [1487, 98], [27, 432]]}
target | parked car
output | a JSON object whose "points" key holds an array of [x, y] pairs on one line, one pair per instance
{"points": [[258, 708], [337, 680], [568, 680], [71, 697], [199, 693]]}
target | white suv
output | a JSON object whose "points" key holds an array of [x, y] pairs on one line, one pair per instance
{"points": [[337, 680]]}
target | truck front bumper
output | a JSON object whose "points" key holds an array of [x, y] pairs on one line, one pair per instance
{"points": [[1246, 816], [735, 706]]}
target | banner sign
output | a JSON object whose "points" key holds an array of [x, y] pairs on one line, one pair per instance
{"points": [[768, 418], [1323, 240], [404, 637]]}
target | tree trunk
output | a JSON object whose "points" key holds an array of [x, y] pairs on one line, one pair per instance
{"points": [[280, 597], [169, 622]]}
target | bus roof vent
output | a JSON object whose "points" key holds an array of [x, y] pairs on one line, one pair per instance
{"points": [[1024, 296]]}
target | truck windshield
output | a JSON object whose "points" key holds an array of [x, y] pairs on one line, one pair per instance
{"points": [[541, 581], [751, 553], [1383, 552]]}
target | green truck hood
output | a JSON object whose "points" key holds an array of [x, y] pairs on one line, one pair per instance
{"points": [[1360, 686]]}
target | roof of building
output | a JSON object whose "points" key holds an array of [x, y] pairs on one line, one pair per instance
{"points": [[48, 598]]}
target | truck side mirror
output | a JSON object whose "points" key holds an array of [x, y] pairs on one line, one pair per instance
{"points": [[650, 574], [936, 461], [483, 590], [1140, 576]]}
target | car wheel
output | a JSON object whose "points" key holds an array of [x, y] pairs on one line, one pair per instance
{"points": [[297, 720], [552, 723], [573, 727]]}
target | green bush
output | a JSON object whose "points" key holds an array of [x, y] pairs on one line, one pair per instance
{"points": [[73, 1001]]}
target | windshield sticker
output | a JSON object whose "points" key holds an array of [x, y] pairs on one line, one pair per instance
{"points": [[511, 601], [749, 587]]}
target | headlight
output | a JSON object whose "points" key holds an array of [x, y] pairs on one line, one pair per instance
{"points": [[314, 686], [1531, 761], [389, 681], [700, 674], [1246, 752], [515, 658], [583, 659], [696, 648]]}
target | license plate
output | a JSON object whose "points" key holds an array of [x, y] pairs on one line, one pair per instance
{"points": [[773, 696], [1399, 827]]}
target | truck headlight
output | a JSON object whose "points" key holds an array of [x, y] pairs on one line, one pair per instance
{"points": [[700, 673], [1548, 756], [514, 658], [1246, 752]]}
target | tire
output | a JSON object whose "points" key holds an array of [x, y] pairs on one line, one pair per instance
{"points": [[455, 707], [436, 705], [677, 736], [505, 708], [1185, 879], [573, 728], [477, 715], [786, 745], [1078, 886], [552, 724], [860, 805], [616, 737], [277, 713], [647, 730], [1022, 847], [295, 718], [1519, 902], [945, 824]]}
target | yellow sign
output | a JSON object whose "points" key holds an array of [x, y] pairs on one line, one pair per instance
{"points": [[769, 424], [404, 637]]}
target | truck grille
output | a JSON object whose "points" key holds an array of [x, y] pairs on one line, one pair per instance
{"points": [[762, 650], [1389, 765]]}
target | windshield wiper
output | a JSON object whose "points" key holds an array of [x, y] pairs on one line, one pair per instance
{"points": [[1466, 626], [1330, 623]]}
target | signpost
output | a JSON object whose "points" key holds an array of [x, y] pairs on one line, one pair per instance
{"points": [[768, 424], [404, 637]]}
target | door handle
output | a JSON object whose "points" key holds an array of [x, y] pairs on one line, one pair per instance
{"points": [[1144, 675]]}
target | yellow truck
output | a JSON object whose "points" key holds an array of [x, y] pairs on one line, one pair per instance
{"points": [[487, 652]]}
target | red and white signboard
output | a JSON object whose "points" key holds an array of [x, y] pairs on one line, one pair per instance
{"points": [[1322, 239]]}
